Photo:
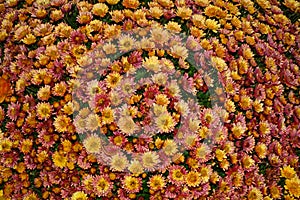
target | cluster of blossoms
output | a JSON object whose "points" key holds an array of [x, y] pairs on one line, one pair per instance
{"points": [[112, 136]]}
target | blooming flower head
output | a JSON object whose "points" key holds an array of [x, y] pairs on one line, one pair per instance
{"points": [[43, 110], [150, 160], [254, 194], [61, 123], [152, 63], [131, 184], [59, 160], [92, 143], [288, 172], [119, 162], [79, 196], [126, 43], [293, 186], [193, 179], [102, 185], [165, 123], [113, 79], [135, 167], [169, 147], [156, 182], [127, 125], [177, 174], [107, 115]]}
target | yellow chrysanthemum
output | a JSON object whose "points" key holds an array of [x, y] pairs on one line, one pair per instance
{"points": [[255, 194], [165, 122], [112, 2], [293, 186], [247, 162], [150, 160], [126, 43], [100, 9], [212, 25], [62, 123], [101, 186], [43, 110], [113, 79], [193, 179], [135, 167], [184, 12], [107, 116], [131, 184], [288, 172], [220, 155], [59, 160], [127, 125], [32, 196], [157, 182], [118, 162], [79, 196], [177, 175], [92, 122], [173, 27], [169, 147], [162, 99], [152, 63], [26, 145], [92, 144]]}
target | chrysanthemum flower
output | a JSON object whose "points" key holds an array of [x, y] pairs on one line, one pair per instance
{"points": [[293, 186], [179, 51], [152, 63], [84, 17], [247, 162], [165, 123], [156, 12], [173, 27], [43, 110], [59, 160], [26, 146], [13, 111], [205, 173], [193, 179], [135, 167], [59, 89], [127, 125], [176, 174], [184, 12], [31, 196], [202, 152], [133, 4], [113, 79], [44, 93], [238, 130], [100, 9], [131, 184], [156, 182], [169, 147], [288, 172], [212, 25], [162, 99], [118, 162], [150, 160], [102, 185], [92, 144], [255, 194], [126, 43], [107, 116], [79, 196], [61, 123]]}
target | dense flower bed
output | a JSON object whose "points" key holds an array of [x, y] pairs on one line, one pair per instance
{"points": [[239, 138]]}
